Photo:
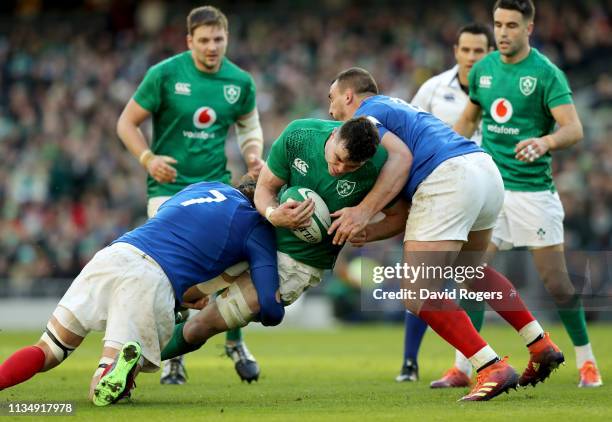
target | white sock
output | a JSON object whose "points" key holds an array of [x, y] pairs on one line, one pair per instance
{"points": [[584, 353], [462, 363], [531, 331], [483, 356]]}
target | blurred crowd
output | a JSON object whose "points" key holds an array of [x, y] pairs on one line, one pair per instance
{"points": [[68, 187]]}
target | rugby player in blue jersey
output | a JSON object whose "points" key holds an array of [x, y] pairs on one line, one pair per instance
{"points": [[130, 289], [456, 193]]}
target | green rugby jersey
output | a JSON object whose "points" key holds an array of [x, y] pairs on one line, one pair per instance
{"points": [[516, 100], [298, 157], [192, 112]]}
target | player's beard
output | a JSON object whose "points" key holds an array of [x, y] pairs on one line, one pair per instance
{"points": [[512, 49], [209, 65]]}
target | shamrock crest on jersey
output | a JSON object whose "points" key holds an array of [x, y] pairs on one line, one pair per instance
{"points": [[345, 187], [527, 84], [231, 93]]}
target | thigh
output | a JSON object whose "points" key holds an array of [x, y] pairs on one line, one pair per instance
{"points": [[141, 308], [430, 260], [485, 174], [552, 268], [451, 201], [87, 297], [209, 321]]}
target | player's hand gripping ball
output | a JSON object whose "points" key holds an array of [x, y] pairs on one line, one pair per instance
{"points": [[320, 220]]}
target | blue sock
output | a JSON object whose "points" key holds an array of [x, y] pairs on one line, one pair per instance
{"points": [[415, 329]]}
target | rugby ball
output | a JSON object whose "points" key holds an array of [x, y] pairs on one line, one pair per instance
{"points": [[320, 220]]}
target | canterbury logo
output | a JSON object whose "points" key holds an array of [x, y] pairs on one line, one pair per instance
{"points": [[301, 166], [182, 88], [485, 81]]}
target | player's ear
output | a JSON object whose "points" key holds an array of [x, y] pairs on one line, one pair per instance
{"points": [[529, 27], [348, 96], [189, 40]]}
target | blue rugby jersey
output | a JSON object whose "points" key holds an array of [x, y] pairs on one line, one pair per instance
{"points": [[204, 229], [430, 141]]}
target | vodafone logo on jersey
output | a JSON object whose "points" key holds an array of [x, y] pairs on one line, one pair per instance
{"points": [[204, 117], [501, 110]]}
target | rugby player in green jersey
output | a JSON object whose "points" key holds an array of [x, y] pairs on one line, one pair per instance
{"points": [[193, 99], [520, 96], [341, 163]]}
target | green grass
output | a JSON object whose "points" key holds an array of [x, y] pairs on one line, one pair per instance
{"points": [[342, 374]]}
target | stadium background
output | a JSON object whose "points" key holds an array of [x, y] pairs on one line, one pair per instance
{"points": [[68, 187]]}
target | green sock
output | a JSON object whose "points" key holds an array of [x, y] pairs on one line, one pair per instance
{"points": [[234, 335], [177, 345], [572, 316], [475, 310]]}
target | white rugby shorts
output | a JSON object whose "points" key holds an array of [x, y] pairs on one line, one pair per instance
{"points": [[125, 293], [461, 195], [295, 277], [531, 219]]}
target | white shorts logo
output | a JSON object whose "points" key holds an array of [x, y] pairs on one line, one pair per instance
{"points": [[501, 110], [204, 117], [301, 166]]}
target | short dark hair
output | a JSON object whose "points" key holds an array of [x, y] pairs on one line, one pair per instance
{"points": [[360, 80], [477, 28], [525, 7], [246, 186], [360, 138], [205, 15]]}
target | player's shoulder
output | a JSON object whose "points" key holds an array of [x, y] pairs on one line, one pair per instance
{"points": [[233, 71], [171, 63], [378, 103], [543, 63]]}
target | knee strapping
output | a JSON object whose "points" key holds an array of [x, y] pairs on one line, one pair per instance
{"points": [[59, 349], [233, 307]]}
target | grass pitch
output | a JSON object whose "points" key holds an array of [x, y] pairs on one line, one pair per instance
{"points": [[341, 374]]}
